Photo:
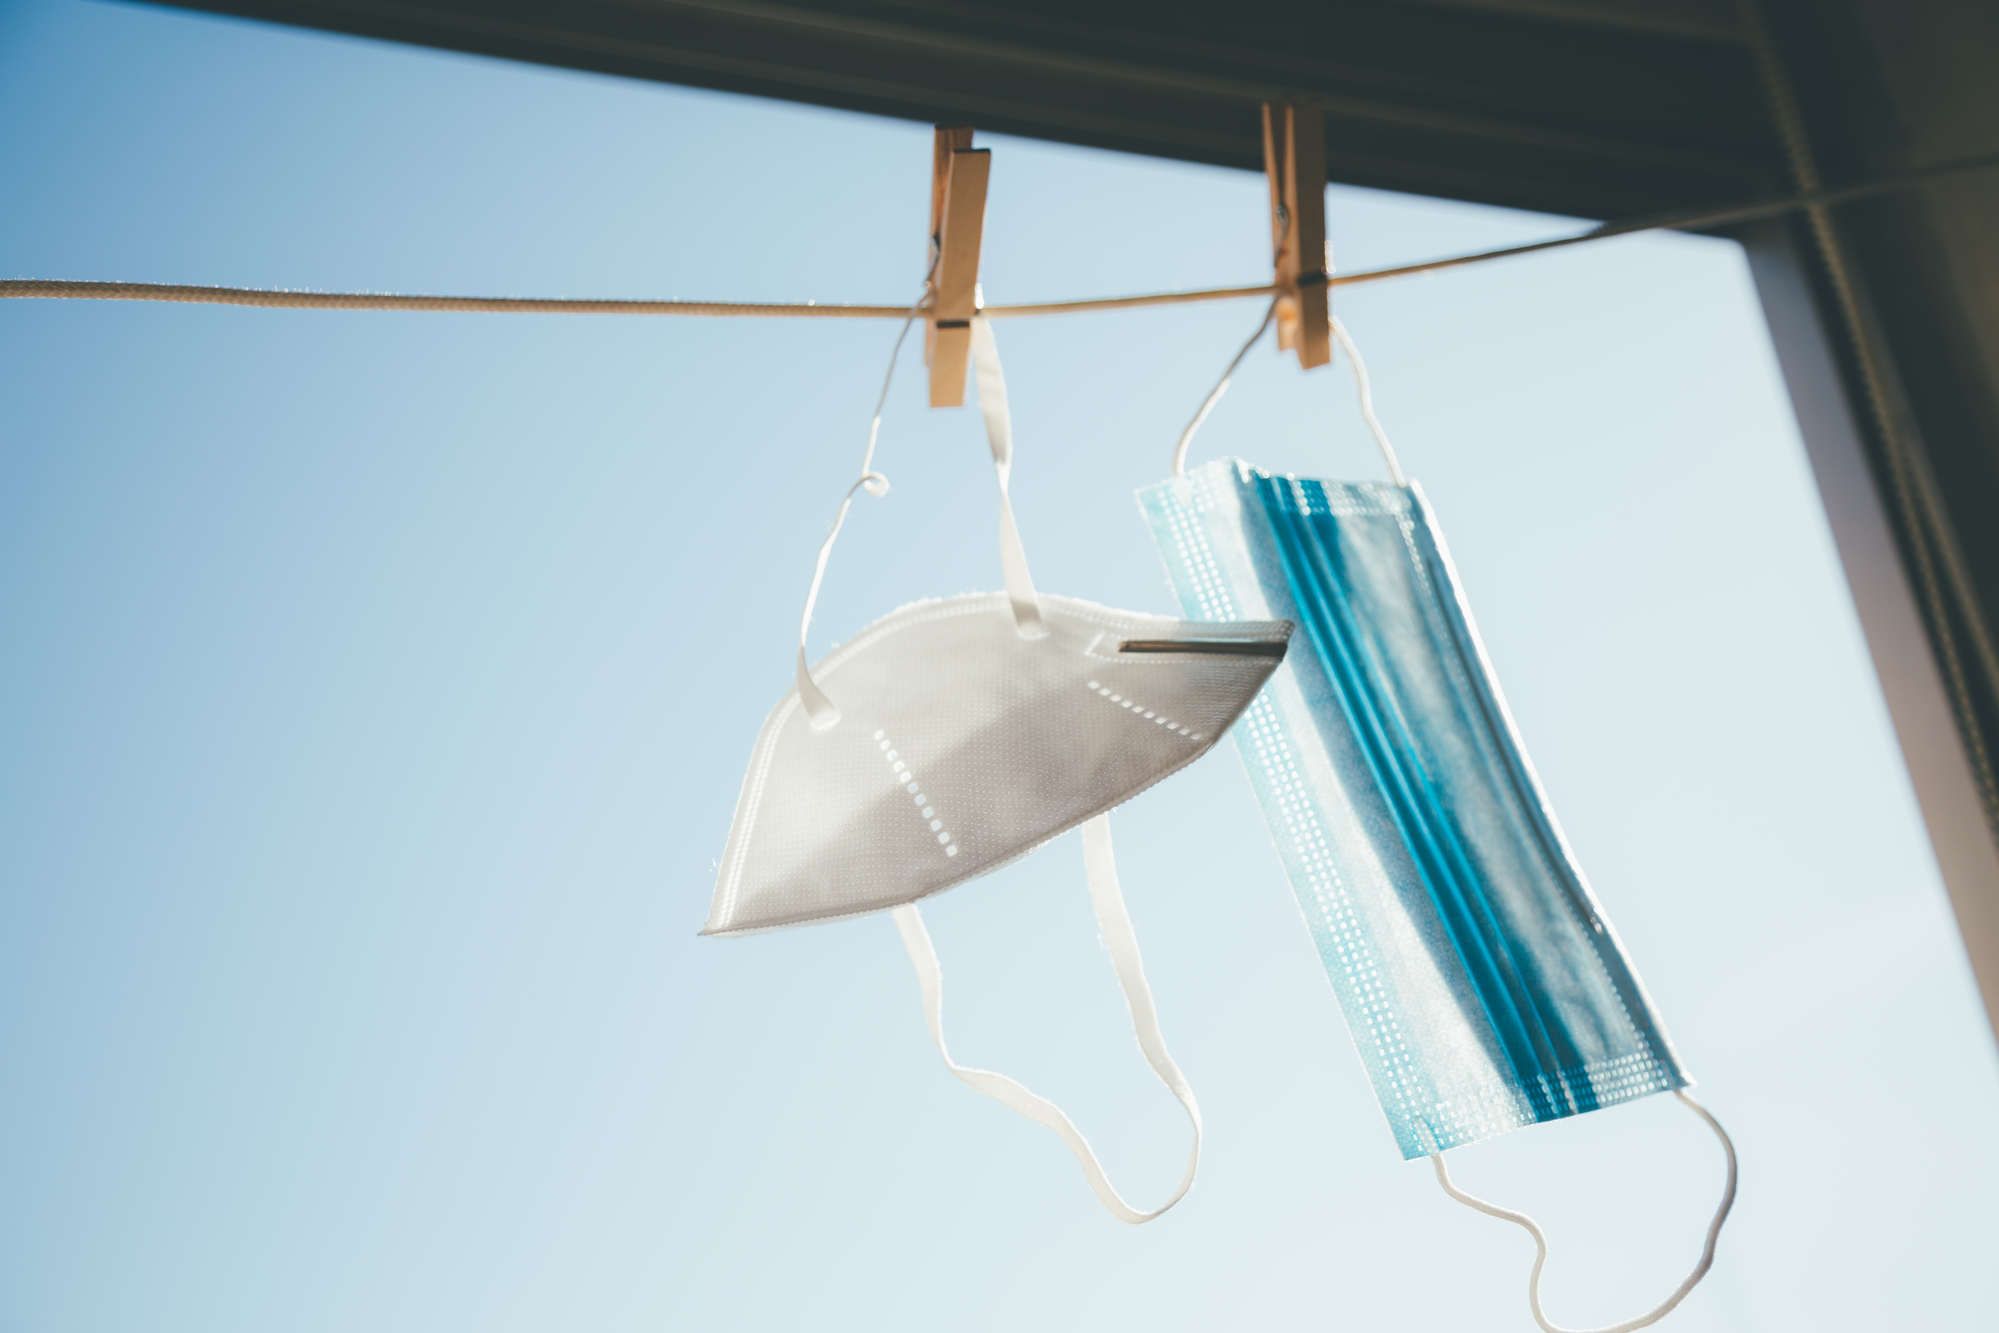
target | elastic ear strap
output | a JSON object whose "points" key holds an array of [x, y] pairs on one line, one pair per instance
{"points": [[1541, 1241], [1215, 394], [818, 707], [999, 435], [1366, 395], [1123, 944], [1115, 922]]}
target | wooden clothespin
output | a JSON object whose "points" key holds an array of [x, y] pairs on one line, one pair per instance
{"points": [[1294, 158], [957, 224]]}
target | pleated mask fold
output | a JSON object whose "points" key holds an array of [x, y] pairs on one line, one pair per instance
{"points": [[1482, 983]]}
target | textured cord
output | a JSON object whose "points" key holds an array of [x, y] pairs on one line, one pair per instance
{"points": [[46, 289], [1533, 1228], [50, 290], [483, 305], [1115, 922]]}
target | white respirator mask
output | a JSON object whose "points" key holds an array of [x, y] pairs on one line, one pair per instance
{"points": [[953, 737]]}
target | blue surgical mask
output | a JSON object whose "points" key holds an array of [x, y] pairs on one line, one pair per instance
{"points": [[1482, 982]]}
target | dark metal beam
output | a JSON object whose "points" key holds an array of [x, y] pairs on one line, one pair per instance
{"points": [[1588, 120], [1886, 317]]}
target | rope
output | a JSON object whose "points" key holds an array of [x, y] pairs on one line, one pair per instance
{"points": [[502, 305], [41, 289], [1125, 302], [1812, 199]]}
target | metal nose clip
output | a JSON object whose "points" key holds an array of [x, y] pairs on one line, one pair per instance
{"points": [[1214, 647]]}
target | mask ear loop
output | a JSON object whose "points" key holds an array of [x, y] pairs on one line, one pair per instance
{"points": [[1360, 384], [1367, 403], [1119, 938], [818, 707], [1533, 1229], [999, 438], [1215, 394], [1436, 1156]]}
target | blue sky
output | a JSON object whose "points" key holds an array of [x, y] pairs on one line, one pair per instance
{"points": [[377, 687]]}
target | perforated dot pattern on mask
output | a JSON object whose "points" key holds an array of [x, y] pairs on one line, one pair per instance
{"points": [[901, 774]]}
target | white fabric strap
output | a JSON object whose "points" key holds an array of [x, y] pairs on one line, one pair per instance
{"points": [[818, 707], [1215, 394], [1115, 923], [999, 435], [1366, 394], [1541, 1241], [1360, 384]]}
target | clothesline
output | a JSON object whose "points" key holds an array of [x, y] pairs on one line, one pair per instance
{"points": [[147, 291], [294, 300]]}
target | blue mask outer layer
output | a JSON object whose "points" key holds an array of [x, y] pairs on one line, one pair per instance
{"points": [[1478, 975]]}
